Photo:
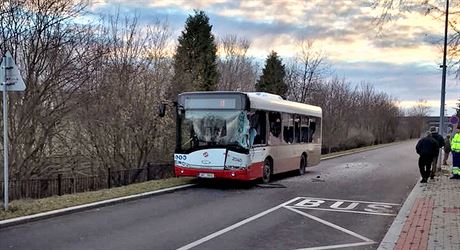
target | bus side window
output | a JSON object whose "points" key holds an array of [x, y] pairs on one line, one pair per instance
{"points": [[258, 125], [317, 131], [297, 136], [312, 135], [304, 124], [288, 128], [274, 121]]}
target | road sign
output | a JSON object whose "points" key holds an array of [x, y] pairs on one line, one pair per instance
{"points": [[9, 74], [454, 120]]}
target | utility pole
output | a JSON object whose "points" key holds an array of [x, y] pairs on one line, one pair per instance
{"points": [[443, 82], [444, 69]]}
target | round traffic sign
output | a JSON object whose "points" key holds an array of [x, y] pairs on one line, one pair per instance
{"points": [[454, 119]]}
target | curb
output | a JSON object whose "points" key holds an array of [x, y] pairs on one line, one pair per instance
{"points": [[69, 210], [360, 150], [392, 235]]}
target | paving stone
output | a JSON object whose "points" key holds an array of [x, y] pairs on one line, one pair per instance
{"points": [[434, 220]]}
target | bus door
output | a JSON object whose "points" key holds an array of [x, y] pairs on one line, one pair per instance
{"points": [[258, 140], [275, 141]]}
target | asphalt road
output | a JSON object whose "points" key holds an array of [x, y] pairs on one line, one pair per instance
{"points": [[348, 201]]}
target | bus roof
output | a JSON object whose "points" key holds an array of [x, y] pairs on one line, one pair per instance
{"points": [[271, 102]]}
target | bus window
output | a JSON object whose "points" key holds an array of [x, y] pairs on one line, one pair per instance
{"points": [[288, 128], [257, 131], [317, 134], [297, 119], [304, 124], [315, 130], [274, 121]]}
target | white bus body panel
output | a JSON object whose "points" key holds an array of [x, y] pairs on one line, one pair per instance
{"points": [[213, 158]]}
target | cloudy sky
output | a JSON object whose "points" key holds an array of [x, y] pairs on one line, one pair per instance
{"points": [[402, 59]]}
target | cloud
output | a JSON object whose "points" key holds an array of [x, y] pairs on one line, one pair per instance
{"points": [[408, 83], [401, 59], [345, 25]]}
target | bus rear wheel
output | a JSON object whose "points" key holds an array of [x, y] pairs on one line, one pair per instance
{"points": [[303, 165], [267, 171]]}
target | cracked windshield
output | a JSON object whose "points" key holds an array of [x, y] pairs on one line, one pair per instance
{"points": [[214, 128]]}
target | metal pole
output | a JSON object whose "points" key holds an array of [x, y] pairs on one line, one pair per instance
{"points": [[5, 138], [444, 69], [443, 82]]}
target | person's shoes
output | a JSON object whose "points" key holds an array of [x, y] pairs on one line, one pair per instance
{"points": [[423, 181]]}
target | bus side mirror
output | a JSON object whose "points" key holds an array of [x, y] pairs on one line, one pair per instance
{"points": [[161, 110]]}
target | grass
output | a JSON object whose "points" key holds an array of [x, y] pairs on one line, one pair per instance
{"points": [[19, 208]]}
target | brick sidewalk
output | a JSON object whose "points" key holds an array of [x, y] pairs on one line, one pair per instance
{"points": [[434, 219]]}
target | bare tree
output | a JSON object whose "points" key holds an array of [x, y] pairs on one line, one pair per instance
{"points": [[391, 10], [355, 117], [57, 58], [237, 70], [334, 98], [417, 118], [305, 71], [120, 123]]}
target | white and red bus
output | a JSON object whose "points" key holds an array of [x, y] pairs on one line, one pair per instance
{"points": [[244, 136]]}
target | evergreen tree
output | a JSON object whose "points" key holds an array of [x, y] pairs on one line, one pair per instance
{"points": [[195, 66], [272, 78]]}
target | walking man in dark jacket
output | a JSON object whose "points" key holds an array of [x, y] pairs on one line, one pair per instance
{"points": [[438, 138], [427, 148]]}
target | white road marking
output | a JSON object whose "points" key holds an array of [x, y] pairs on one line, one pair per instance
{"points": [[342, 211], [236, 225], [366, 241], [338, 246], [368, 202], [327, 223]]}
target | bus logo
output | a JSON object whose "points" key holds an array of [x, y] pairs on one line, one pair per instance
{"points": [[205, 154], [237, 159]]}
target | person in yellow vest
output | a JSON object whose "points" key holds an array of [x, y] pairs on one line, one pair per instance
{"points": [[455, 146]]}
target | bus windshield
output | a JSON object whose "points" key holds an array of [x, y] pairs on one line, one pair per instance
{"points": [[205, 128]]}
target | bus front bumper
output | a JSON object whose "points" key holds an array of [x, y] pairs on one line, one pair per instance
{"points": [[251, 173]]}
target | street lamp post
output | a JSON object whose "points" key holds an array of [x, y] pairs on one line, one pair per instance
{"points": [[444, 69], [443, 82]]}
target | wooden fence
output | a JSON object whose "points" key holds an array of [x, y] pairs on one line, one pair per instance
{"points": [[62, 184]]}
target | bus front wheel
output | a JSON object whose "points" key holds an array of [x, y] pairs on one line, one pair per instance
{"points": [[267, 171]]}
